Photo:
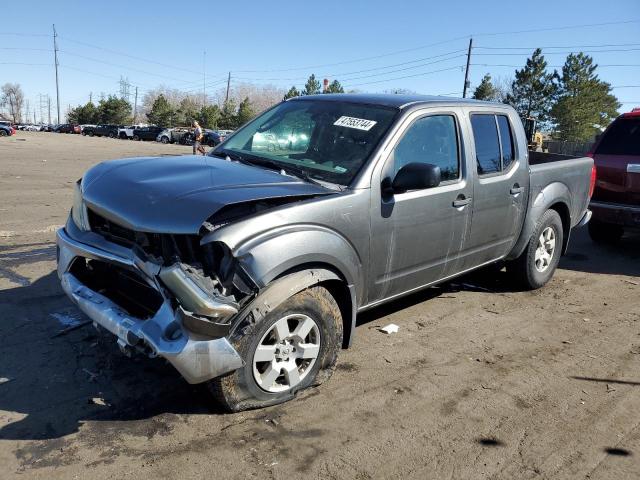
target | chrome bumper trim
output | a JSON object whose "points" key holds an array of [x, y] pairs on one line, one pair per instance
{"points": [[585, 219], [196, 359]]}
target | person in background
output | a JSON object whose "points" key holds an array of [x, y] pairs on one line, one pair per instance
{"points": [[197, 138]]}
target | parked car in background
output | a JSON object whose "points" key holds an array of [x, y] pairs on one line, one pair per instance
{"points": [[110, 131], [6, 130], [616, 199], [31, 128], [67, 128], [126, 132], [246, 269], [146, 133], [47, 128], [172, 135]]}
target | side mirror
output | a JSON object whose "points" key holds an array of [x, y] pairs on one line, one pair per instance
{"points": [[416, 176]]}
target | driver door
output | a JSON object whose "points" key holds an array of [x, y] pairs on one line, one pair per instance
{"points": [[417, 235]]}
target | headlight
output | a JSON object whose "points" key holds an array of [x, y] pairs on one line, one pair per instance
{"points": [[79, 210]]}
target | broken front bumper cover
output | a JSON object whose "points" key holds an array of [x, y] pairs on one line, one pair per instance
{"points": [[197, 358]]}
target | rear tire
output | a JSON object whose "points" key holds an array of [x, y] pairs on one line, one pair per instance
{"points": [[537, 264], [605, 233], [90, 134], [164, 140], [3, 133], [275, 379], [136, 137]]}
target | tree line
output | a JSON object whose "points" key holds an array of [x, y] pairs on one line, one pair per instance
{"points": [[574, 104]]}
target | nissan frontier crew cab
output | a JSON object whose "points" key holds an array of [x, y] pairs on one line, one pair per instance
{"points": [[246, 268]]}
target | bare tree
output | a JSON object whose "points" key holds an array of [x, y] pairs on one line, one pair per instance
{"points": [[13, 99], [502, 86]]}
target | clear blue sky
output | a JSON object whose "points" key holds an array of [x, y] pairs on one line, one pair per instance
{"points": [[282, 42]]}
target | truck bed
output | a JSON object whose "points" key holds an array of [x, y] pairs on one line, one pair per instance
{"points": [[567, 175]]}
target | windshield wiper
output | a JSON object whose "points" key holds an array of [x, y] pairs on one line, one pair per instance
{"points": [[265, 162]]}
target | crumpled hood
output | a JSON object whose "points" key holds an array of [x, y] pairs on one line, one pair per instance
{"points": [[177, 194]]}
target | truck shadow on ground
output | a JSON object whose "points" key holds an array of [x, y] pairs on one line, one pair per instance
{"points": [[622, 258], [57, 382]]}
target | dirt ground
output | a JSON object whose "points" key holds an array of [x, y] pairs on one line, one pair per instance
{"points": [[481, 381]]}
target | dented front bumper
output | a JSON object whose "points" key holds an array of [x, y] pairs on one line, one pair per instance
{"points": [[198, 358]]}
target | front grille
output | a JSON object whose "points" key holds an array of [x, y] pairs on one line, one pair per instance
{"points": [[170, 248], [123, 287]]}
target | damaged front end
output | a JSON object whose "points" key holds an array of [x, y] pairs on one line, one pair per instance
{"points": [[159, 294]]}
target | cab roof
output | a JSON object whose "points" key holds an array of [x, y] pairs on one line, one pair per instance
{"points": [[390, 99]]}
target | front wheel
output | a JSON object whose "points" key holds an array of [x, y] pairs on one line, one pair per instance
{"points": [[164, 140], [295, 346], [136, 137], [537, 264]]}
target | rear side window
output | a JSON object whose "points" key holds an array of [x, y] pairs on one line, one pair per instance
{"points": [[506, 141], [494, 143], [485, 135], [622, 138]]}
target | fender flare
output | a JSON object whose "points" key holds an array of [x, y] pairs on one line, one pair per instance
{"points": [[285, 287], [551, 195]]}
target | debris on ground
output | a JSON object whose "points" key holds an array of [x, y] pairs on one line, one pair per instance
{"points": [[5, 380], [567, 342], [98, 401], [389, 329], [71, 328]]}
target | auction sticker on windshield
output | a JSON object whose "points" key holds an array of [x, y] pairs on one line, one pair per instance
{"points": [[357, 123]]}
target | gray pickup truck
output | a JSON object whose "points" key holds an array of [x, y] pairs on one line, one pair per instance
{"points": [[246, 268]]}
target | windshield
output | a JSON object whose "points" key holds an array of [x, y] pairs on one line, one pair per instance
{"points": [[328, 140]]}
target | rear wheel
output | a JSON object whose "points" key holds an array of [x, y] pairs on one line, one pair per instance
{"points": [[294, 347], [164, 140], [537, 264], [136, 137], [3, 133], [605, 233], [90, 133]]}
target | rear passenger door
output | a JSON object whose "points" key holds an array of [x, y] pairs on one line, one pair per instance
{"points": [[500, 188]]}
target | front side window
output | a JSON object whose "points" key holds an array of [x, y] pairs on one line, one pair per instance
{"points": [[433, 140], [485, 135], [329, 140]]}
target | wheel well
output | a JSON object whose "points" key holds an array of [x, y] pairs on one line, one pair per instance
{"points": [[565, 216], [338, 290]]}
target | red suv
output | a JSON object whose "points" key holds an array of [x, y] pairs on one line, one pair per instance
{"points": [[616, 200]]}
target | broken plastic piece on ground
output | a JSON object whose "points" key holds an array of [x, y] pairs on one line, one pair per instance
{"points": [[389, 329]]}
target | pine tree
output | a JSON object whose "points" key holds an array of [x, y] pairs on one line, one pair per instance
{"points": [[293, 92], [114, 110], [534, 89], [209, 116], [312, 87], [585, 103], [334, 87], [245, 112], [161, 113], [486, 90], [228, 118]]}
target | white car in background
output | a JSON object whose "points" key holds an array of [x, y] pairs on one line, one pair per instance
{"points": [[126, 133]]}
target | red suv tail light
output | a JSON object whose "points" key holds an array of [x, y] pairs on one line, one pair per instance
{"points": [[592, 185]]}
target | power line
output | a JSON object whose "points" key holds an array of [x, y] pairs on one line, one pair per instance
{"points": [[562, 53], [550, 29], [408, 76], [561, 46], [550, 66], [18, 34]]}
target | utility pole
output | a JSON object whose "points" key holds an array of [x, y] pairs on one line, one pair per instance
{"points": [[90, 97], [226, 98], [49, 102], [55, 56], [135, 106], [204, 78], [466, 72]]}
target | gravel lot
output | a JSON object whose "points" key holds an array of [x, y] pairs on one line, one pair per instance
{"points": [[481, 380]]}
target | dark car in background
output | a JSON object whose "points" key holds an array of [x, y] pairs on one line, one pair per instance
{"points": [[616, 199], [67, 128], [110, 131], [146, 133], [209, 137], [6, 130]]}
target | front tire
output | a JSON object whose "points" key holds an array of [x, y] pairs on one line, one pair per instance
{"points": [[605, 233], [136, 137], [537, 264], [295, 346]]}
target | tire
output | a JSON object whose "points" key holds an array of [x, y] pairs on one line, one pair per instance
{"points": [[136, 137], [605, 233], [83, 133], [112, 135], [535, 267], [164, 140], [3, 133], [240, 389], [90, 133]]}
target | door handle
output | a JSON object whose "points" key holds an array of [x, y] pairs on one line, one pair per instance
{"points": [[516, 190], [461, 202]]}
